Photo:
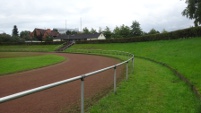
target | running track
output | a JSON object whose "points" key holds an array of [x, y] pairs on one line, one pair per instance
{"points": [[61, 98]]}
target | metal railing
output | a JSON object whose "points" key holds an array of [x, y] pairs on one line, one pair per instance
{"points": [[80, 77]]}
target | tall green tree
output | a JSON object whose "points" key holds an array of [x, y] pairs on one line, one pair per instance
{"points": [[15, 31], [116, 32], [25, 35], [121, 32], [153, 31], [193, 11], [135, 29], [125, 31], [86, 30], [93, 30], [107, 33]]}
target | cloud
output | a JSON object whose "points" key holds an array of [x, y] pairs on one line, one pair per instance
{"points": [[30, 14]]}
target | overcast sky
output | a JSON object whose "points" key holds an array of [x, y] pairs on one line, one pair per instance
{"points": [[30, 14]]}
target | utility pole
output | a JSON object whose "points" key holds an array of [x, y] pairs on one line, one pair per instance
{"points": [[80, 24]]}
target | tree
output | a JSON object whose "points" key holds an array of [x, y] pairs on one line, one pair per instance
{"points": [[69, 32], [153, 31], [5, 38], [107, 32], [135, 29], [193, 11], [15, 31], [116, 32], [122, 32], [56, 30], [125, 31], [25, 35], [86, 30], [93, 30]]}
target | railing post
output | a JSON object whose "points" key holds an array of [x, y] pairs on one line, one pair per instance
{"points": [[133, 63], [82, 95], [126, 70], [115, 79]]}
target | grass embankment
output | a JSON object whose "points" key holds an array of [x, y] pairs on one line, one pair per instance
{"points": [[28, 48], [25, 61], [181, 54], [152, 89]]}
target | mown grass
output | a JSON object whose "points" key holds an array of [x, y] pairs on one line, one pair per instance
{"points": [[152, 89], [28, 48], [18, 64], [181, 54]]}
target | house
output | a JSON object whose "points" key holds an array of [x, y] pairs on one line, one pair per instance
{"points": [[42, 34], [79, 37]]}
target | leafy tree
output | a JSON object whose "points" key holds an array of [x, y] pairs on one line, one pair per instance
{"points": [[86, 30], [93, 30], [74, 32], [116, 32], [135, 29], [107, 32], [125, 31], [121, 32], [69, 32], [153, 31], [56, 30], [25, 35], [193, 11], [5, 38], [15, 31]]}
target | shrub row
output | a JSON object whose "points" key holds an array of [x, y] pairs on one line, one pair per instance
{"points": [[184, 33]]}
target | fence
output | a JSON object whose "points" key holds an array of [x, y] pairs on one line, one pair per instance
{"points": [[80, 77]]}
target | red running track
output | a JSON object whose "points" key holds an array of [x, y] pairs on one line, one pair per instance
{"points": [[62, 98]]}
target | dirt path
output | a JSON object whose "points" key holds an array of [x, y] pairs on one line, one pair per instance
{"points": [[61, 97]]}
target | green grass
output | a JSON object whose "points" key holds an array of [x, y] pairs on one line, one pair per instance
{"points": [[19, 63], [182, 54], [152, 89], [32, 48]]}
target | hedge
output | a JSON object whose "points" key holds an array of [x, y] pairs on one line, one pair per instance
{"points": [[184, 33]]}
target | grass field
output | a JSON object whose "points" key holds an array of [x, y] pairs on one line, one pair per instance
{"points": [[17, 62], [182, 54], [28, 48]]}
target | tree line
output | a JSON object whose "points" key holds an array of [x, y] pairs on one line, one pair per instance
{"points": [[15, 37], [123, 31]]}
